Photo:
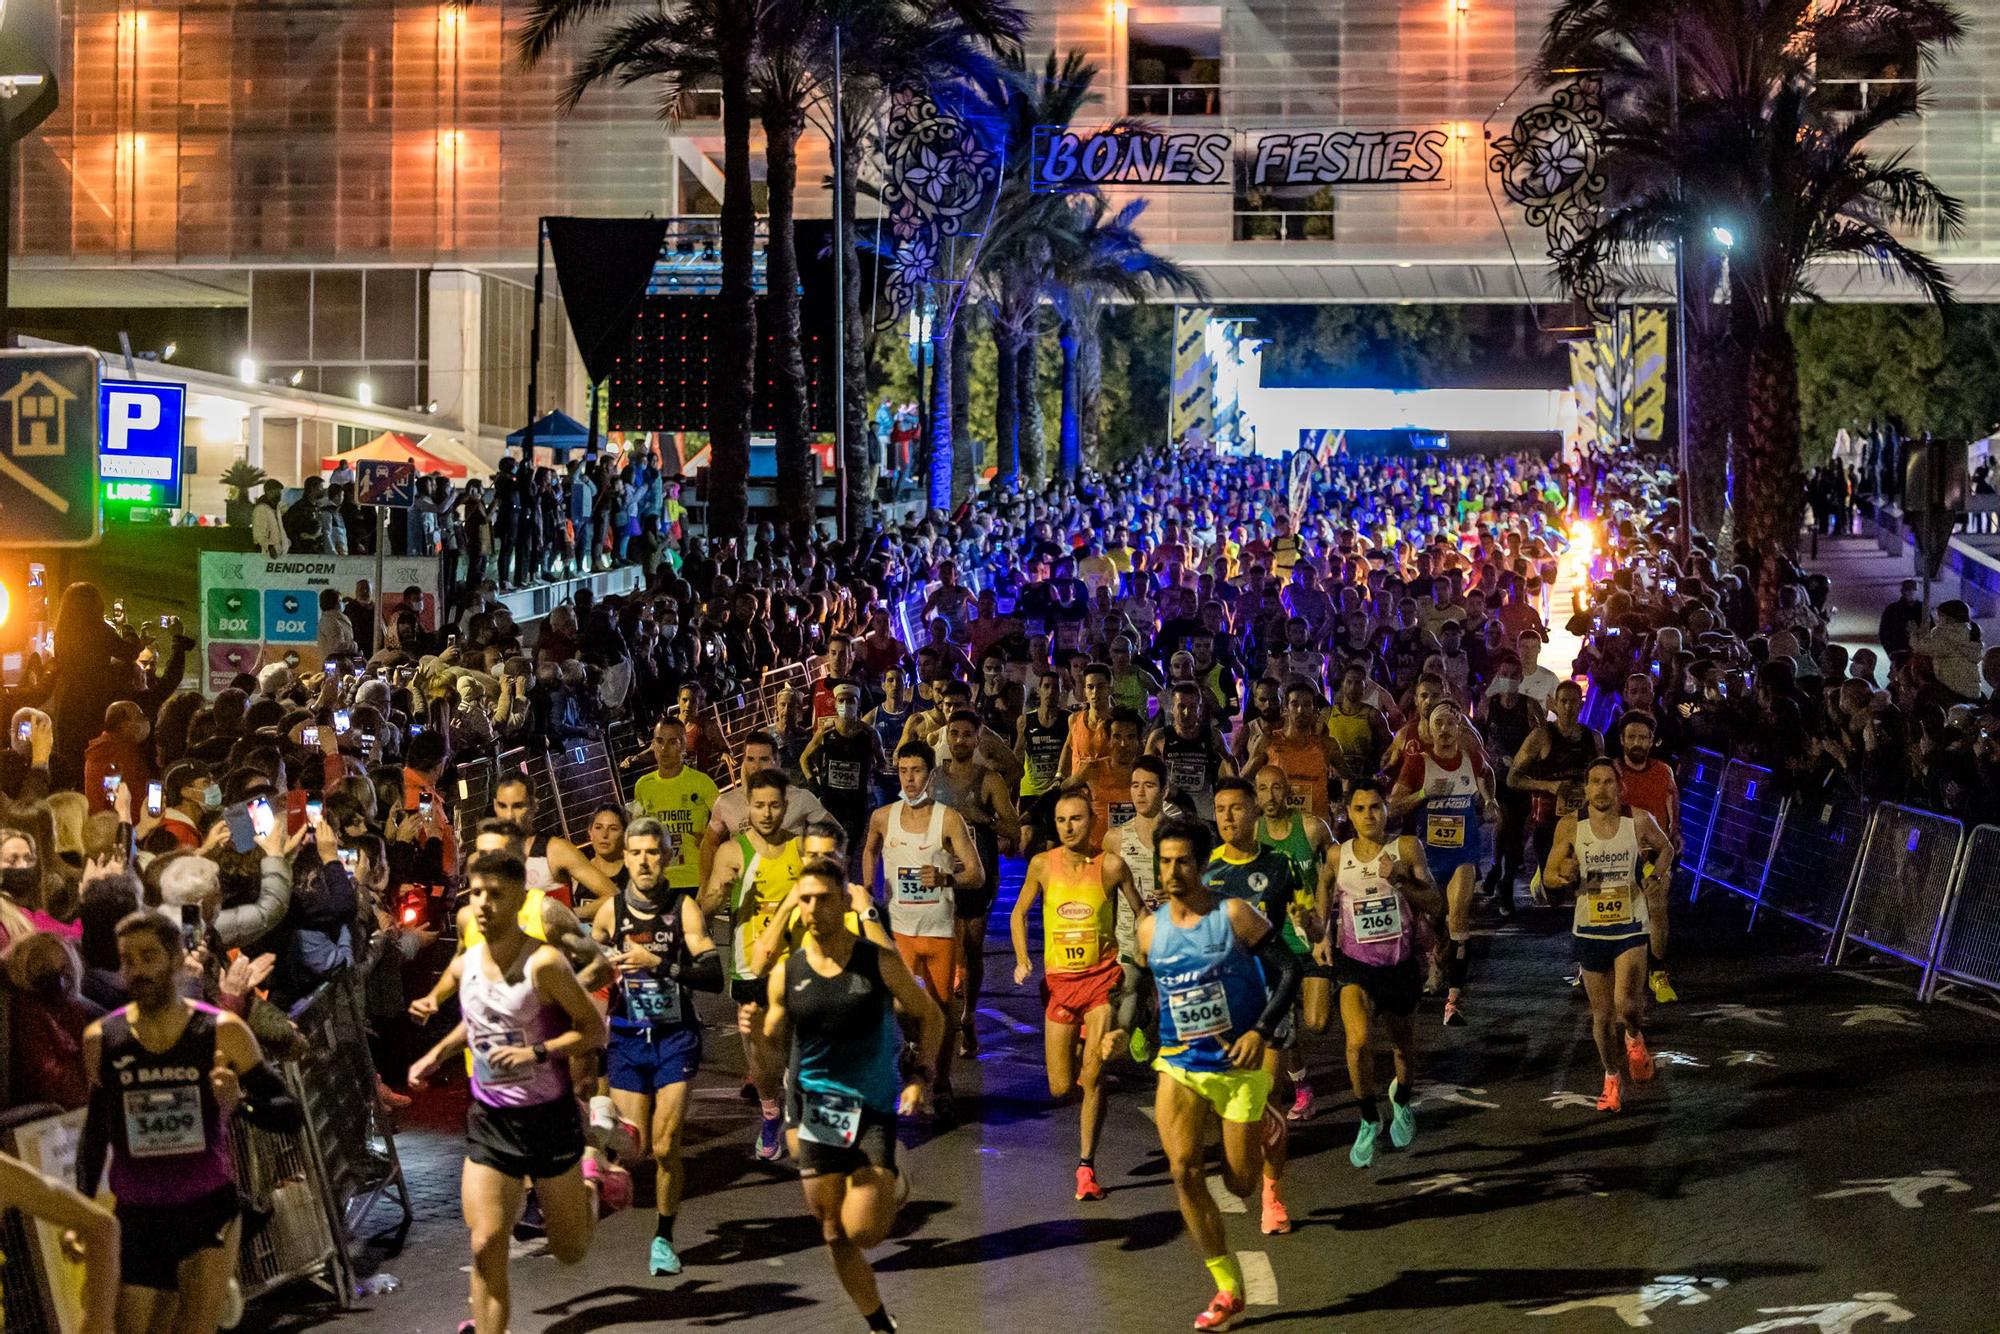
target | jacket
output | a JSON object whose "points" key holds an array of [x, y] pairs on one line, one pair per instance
{"points": [[1954, 656], [107, 753], [267, 530]]}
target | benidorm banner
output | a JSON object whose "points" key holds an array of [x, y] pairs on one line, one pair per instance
{"points": [[1264, 159]]}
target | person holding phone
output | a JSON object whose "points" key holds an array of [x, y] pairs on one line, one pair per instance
{"points": [[120, 751], [24, 764]]}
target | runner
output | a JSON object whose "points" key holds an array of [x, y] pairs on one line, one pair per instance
{"points": [[926, 857], [1089, 727], [658, 940], [1301, 748], [1242, 868], [1621, 909], [1038, 740], [1359, 731], [1133, 842], [964, 784], [1507, 717], [1550, 767], [833, 999], [842, 760], [1648, 785], [1378, 887], [1108, 777], [1446, 785], [1304, 839], [166, 1075], [1217, 1011], [525, 1016], [731, 811], [554, 863], [752, 874], [607, 845], [889, 718], [1088, 890], [1192, 748], [681, 799]]}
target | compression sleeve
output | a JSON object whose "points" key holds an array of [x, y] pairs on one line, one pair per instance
{"points": [[701, 973], [95, 1142], [1283, 972]]}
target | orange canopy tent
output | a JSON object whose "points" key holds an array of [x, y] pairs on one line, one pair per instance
{"points": [[390, 447]]}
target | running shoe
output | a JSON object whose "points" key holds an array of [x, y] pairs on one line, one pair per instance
{"points": [[1612, 1099], [1086, 1184], [530, 1225], [614, 1186], [1363, 1152], [1221, 1313], [771, 1140], [968, 1041], [944, 1111], [1434, 980], [611, 1132], [1639, 1059], [748, 1092], [1663, 990], [661, 1260], [1277, 1221], [1302, 1103], [1454, 1013], [1402, 1120], [1140, 1046], [1574, 977]]}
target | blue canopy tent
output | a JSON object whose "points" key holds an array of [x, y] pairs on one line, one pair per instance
{"points": [[558, 431]]}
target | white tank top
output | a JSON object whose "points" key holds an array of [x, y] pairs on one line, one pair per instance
{"points": [[1137, 853], [502, 1013], [1609, 905], [915, 910], [1373, 923], [537, 863]]}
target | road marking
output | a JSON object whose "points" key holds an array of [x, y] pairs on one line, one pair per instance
{"points": [[1009, 1020], [1260, 1285], [1224, 1200]]}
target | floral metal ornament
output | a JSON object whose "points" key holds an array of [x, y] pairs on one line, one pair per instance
{"points": [[940, 174], [1550, 166]]}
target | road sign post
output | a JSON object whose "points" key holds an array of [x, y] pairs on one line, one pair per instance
{"points": [[48, 449]]}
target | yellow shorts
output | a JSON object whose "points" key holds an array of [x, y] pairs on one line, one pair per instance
{"points": [[1236, 1095]]}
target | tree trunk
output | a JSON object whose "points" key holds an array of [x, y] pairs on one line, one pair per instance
{"points": [[733, 374], [1715, 400], [965, 471], [1071, 437], [798, 470], [1089, 391], [942, 453], [858, 454], [1768, 499], [1028, 384], [1006, 402]]}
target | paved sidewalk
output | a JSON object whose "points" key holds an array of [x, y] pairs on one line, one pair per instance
{"points": [[1812, 1136], [1865, 580]]}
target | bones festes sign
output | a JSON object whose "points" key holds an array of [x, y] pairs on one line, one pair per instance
{"points": [[1263, 159]]}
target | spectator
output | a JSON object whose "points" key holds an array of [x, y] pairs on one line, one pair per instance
{"points": [[118, 754], [267, 523], [1900, 619], [305, 529], [1952, 645]]}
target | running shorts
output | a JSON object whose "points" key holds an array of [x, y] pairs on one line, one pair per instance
{"points": [[1068, 997], [974, 904], [1600, 956], [751, 990], [637, 1064], [934, 960], [1236, 1095], [874, 1144], [154, 1239], [1393, 988], [542, 1141]]}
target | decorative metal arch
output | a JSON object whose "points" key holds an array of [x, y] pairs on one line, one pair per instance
{"points": [[1550, 166]]}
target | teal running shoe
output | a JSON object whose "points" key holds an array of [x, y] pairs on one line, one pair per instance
{"points": [[1363, 1152], [663, 1262], [1402, 1121]]}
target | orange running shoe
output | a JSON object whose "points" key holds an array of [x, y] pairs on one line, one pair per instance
{"points": [[1221, 1313], [1611, 1099], [1639, 1059], [1086, 1184], [1277, 1220]]}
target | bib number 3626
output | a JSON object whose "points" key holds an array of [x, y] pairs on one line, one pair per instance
{"points": [[830, 1118]]}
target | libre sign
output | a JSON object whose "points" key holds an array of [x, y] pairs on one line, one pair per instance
{"points": [[140, 457], [1264, 159]]}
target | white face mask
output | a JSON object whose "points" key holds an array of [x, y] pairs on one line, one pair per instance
{"points": [[1506, 685], [919, 801]]}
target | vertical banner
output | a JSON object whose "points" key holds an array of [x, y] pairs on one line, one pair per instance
{"points": [[1191, 415], [1646, 412], [257, 609]]}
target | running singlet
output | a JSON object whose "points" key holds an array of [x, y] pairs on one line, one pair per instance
{"points": [[1087, 744], [753, 900], [1192, 765], [889, 727], [682, 805], [1304, 763], [647, 1001], [1211, 989], [500, 1013], [1077, 915], [1567, 762], [539, 876], [917, 909], [1041, 752], [1298, 849], [1110, 802], [1373, 923], [1448, 820], [1252, 879], [1609, 905], [1138, 855], [1354, 739], [845, 782], [169, 1136], [844, 1042]]}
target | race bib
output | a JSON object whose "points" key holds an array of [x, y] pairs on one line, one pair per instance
{"points": [[829, 1118], [1078, 948], [1445, 831], [1121, 812], [911, 889], [1298, 800], [649, 1001], [163, 1122], [483, 1069], [1608, 907], [1569, 799], [1034, 625], [843, 775], [1375, 920], [1199, 1012]]}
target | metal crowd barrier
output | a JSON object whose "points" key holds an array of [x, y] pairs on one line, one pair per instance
{"points": [[1902, 888], [1814, 859], [1969, 951], [584, 780], [1698, 780], [1742, 831]]}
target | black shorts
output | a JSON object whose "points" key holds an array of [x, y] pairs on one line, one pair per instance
{"points": [[1326, 972], [971, 905], [1393, 988], [154, 1239], [750, 990], [542, 1141], [874, 1144], [1601, 956]]}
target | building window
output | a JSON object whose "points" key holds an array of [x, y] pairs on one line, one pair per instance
{"points": [[1173, 64], [1858, 80], [1275, 213]]}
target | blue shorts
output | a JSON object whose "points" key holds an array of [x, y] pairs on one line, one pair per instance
{"points": [[1445, 861], [637, 1065], [1598, 955]]}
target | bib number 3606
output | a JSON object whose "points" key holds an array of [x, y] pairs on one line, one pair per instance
{"points": [[1199, 1012]]}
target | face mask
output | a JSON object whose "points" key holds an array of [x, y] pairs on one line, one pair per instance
{"points": [[846, 710], [211, 798], [19, 882], [1506, 685], [919, 801]]}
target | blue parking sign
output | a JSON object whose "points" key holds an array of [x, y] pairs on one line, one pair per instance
{"points": [[140, 425]]}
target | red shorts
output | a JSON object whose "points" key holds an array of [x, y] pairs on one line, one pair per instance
{"points": [[1068, 997], [934, 960]]}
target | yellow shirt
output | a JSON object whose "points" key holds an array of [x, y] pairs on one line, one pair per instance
{"points": [[759, 889], [1077, 916], [682, 805]]}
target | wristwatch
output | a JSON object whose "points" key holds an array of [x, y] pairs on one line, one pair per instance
{"points": [[872, 914], [541, 1050]]}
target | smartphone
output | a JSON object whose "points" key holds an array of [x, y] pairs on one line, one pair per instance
{"points": [[340, 721], [154, 797], [23, 730], [417, 729], [261, 818], [242, 833], [313, 808], [111, 782], [190, 926], [368, 739], [424, 804], [309, 736], [331, 668], [350, 858]]}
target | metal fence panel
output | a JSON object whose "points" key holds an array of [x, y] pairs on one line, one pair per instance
{"points": [[630, 750], [1899, 895], [1970, 949], [584, 781], [1814, 860], [1743, 828], [1699, 778]]}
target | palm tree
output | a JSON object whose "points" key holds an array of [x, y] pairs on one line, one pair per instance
{"points": [[1101, 258], [1760, 147], [678, 45]]}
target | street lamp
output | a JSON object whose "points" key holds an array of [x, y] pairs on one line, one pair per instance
{"points": [[246, 370], [1722, 236]]}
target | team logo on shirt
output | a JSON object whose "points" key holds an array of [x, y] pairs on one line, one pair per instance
{"points": [[1075, 911], [1259, 882]]}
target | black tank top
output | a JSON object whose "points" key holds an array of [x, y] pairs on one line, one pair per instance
{"points": [[1506, 728], [1042, 745], [648, 998], [166, 1127], [843, 762], [1569, 757], [1191, 762]]}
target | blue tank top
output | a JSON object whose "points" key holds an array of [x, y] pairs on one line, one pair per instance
{"points": [[1211, 989], [844, 1035]]}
